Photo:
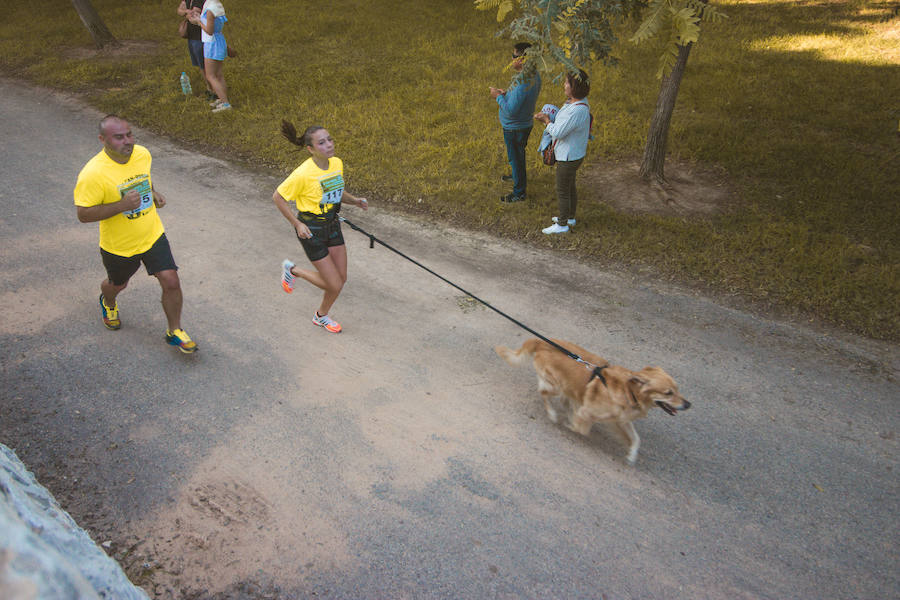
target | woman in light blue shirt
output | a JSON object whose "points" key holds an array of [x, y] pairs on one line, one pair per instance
{"points": [[570, 132], [211, 19]]}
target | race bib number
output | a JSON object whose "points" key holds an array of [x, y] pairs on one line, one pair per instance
{"points": [[142, 187], [332, 189]]}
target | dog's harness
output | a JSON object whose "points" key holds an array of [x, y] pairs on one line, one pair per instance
{"points": [[598, 373]]}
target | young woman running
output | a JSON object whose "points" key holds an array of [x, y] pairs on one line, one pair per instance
{"points": [[316, 188]]}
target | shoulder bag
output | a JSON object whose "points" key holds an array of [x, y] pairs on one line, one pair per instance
{"points": [[548, 155]]}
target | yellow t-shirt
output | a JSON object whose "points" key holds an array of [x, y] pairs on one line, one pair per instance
{"points": [[104, 181], [312, 189]]}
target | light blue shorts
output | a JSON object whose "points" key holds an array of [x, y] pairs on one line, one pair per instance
{"points": [[217, 49]]}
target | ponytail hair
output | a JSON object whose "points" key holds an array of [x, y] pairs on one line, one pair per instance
{"points": [[290, 133]]}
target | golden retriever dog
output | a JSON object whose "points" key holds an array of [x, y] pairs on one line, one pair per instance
{"points": [[617, 395]]}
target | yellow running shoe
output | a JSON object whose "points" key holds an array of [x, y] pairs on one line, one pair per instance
{"points": [[110, 315], [180, 338]]}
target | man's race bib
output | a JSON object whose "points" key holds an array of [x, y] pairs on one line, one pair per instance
{"points": [[332, 189], [141, 185]]}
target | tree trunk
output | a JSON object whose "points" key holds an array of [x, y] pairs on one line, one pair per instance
{"points": [[93, 22], [654, 162]]}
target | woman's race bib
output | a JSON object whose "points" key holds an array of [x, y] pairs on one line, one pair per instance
{"points": [[332, 189]]}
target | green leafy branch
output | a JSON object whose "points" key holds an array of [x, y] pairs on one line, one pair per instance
{"points": [[681, 20], [566, 35]]}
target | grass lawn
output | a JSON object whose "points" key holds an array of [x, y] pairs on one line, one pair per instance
{"points": [[793, 103]]}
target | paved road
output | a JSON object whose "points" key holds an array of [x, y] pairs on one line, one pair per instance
{"points": [[402, 458]]}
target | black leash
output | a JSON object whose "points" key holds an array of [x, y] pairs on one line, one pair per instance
{"points": [[596, 372]]}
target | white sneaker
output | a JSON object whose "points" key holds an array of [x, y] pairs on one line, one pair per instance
{"points": [[556, 228], [569, 222], [221, 107]]}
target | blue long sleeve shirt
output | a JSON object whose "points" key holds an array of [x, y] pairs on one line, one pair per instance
{"points": [[517, 104]]}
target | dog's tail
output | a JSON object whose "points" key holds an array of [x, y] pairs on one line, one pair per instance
{"points": [[518, 357]]}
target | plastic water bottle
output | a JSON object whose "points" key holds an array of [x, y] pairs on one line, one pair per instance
{"points": [[185, 84]]}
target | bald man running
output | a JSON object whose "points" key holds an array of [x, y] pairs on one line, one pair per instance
{"points": [[114, 189]]}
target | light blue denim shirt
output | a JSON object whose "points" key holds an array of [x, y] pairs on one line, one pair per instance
{"points": [[517, 104], [571, 130]]}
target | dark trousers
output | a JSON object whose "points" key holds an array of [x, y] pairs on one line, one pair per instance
{"points": [[516, 140], [565, 188]]}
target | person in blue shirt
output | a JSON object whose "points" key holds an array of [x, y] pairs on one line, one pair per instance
{"points": [[570, 132], [516, 107]]}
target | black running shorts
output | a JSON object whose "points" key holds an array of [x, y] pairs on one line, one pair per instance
{"points": [[119, 269], [325, 234]]}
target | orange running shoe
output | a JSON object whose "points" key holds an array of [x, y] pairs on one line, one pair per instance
{"points": [[326, 322], [287, 278]]}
